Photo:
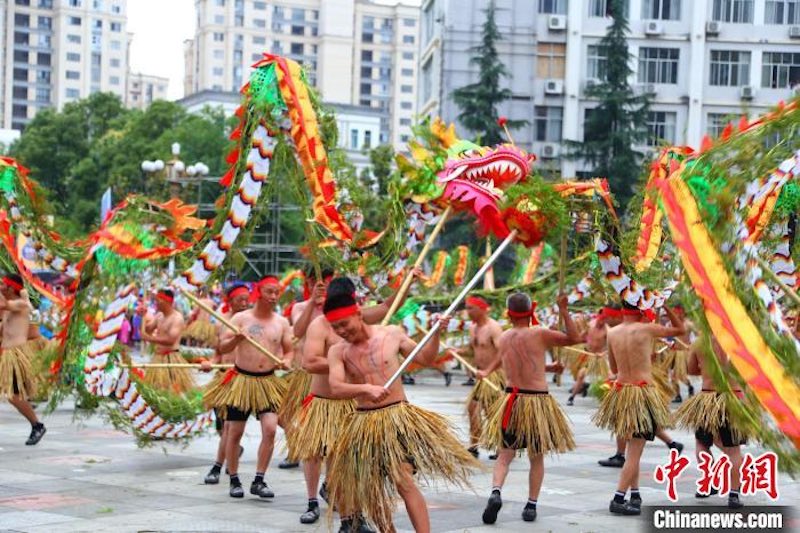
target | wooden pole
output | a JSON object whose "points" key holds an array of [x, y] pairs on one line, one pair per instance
{"points": [[583, 352], [410, 274], [225, 322]]}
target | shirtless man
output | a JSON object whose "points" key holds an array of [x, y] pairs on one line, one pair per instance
{"points": [[165, 331], [595, 343], [254, 389], [236, 300], [386, 439], [200, 331], [529, 417], [484, 335], [630, 349], [320, 337], [722, 431], [16, 374]]}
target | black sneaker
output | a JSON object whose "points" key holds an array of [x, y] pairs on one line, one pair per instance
{"points": [[448, 379], [570, 401], [237, 491], [493, 457], [286, 464], [492, 508], [37, 432], [469, 383], [261, 489], [212, 478], [711, 492], [529, 514], [733, 502], [676, 445], [474, 451], [359, 525], [311, 515], [615, 461], [323, 492], [636, 501], [624, 508]]}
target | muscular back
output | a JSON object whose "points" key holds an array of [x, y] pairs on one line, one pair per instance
{"points": [[630, 351], [484, 340], [522, 351]]}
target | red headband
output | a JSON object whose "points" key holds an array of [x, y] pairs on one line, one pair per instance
{"points": [[164, 297], [525, 314], [648, 314], [236, 291], [341, 313], [269, 280], [477, 301], [610, 312], [13, 284]]}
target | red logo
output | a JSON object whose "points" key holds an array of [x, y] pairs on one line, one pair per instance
{"points": [[760, 474], [715, 475], [670, 472]]}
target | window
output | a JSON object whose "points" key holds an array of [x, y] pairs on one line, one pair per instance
{"points": [[75, 3], [408, 39], [116, 9], [406, 89], [73, 75], [74, 21], [74, 39], [296, 48], [115, 63], [716, 123], [409, 56], [116, 26], [427, 80], [260, 6], [366, 55], [43, 60], [782, 12], [661, 9], [730, 68], [43, 76], [368, 23], [97, 4], [550, 60], [548, 123], [740, 11], [658, 65], [366, 72], [220, 3], [44, 40], [409, 23], [45, 23], [660, 127], [23, 2], [219, 19], [367, 139], [73, 57], [20, 56], [19, 111], [219, 37], [298, 14], [405, 121], [20, 93], [43, 94], [428, 20], [353, 139], [73, 93], [366, 88], [598, 8], [298, 30], [23, 21], [557, 7], [261, 23], [404, 138], [20, 74], [116, 45], [219, 54], [42, 3], [780, 70], [407, 71], [97, 24], [259, 40], [596, 62], [367, 37], [406, 105], [20, 38], [113, 80], [217, 71]]}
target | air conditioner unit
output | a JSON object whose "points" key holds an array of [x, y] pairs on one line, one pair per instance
{"points": [[794, 32], [557, 22], [647, 88], [712, 27], [747, 92], [553, 87], [549, 151], [653, 27]]}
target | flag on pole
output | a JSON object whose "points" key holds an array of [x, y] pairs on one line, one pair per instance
{"points": [[105, 205]]}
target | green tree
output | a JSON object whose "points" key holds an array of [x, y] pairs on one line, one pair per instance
{"points": [[478, 101], [381, 160], [619, 122]]}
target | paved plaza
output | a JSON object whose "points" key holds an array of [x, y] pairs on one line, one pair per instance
{"points": [[87, 477]]}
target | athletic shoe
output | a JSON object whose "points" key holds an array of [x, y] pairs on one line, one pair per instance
{"points": [[310, 516], [492, 508], [37, 432], [529, 514], [286, 464], [616, 461], [624, 508]]}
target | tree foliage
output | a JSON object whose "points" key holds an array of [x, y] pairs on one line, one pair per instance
{"points": [[619, 122], [478, 101]]}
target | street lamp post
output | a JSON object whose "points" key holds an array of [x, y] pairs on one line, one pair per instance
{"points": [[174, 170]]}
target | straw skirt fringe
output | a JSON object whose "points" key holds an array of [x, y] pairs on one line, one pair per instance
{"points": [[298, 385], [537, 423], [317, 428], [710, 411], [212, 392], [202, 331], [16, 371], [485, 395], [250, 394], [678, 362], [179, 380], [630, 409], [369, 458]]}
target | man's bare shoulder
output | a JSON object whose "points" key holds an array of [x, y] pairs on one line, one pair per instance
{"points": [[494, 326], [319, 326]]}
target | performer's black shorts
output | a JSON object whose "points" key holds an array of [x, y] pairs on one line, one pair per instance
{"points": [[219, 420], [236, 415], [649, 435], [725, 436]]}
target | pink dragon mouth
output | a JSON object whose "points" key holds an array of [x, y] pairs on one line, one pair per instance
{"points": [[488, 174]]}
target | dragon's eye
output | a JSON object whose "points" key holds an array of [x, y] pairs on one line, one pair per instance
{"points": [[471, 152]]}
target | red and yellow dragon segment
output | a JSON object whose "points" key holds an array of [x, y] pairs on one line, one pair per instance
{"points": [[725, 313]]}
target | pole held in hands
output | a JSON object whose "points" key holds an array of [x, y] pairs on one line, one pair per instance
{"points": [[460, 298]]}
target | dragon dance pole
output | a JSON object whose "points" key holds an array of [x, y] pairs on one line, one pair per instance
{"points": [[463, 294], [452, 351], [418, 263]]}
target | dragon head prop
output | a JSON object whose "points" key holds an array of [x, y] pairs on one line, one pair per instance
{"points": [[474, 178]]}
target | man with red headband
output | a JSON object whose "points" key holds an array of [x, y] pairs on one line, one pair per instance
{"points": [[237, 299], [386, 439], [16, 371], [165, 332], [634, 409], [528, 417], [252, 388], [484, 336], [596, 366]]}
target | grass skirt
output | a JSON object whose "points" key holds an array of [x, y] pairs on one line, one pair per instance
{"points": [[537, 423], [212, 392], [661, 382], [317, 428], [373, 447], [630, 409], [298, 386], [678, 362], [251, 394], [16, 372], [178, 380], [201, 331], [574, 361], [597, 367], [709, 411], [485, 395]]}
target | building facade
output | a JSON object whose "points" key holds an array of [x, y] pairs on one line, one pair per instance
{"points": [[355, 52], [57, 51], [143, 89], [704, 61]]}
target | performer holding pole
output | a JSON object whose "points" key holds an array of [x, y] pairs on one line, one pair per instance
{"points": [[17, 382], [165, 333]]}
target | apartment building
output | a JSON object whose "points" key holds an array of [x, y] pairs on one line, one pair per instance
{"points": [[57, 51], [143, 89], [355, 52], [704, 61]]}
